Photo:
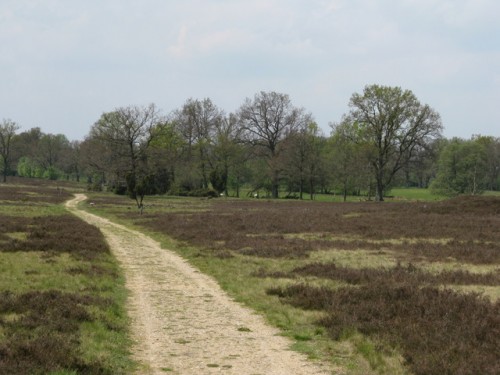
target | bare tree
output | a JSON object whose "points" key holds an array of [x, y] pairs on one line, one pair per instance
{"points": [[127, 133], [302, 159], [197, 122], [8, 129], [265, 122]]}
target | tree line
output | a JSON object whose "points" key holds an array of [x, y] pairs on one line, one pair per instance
{"points": [[267, 147]]}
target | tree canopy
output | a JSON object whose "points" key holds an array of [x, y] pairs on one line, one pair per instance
{"points": [[393, 125], [267, 147]]}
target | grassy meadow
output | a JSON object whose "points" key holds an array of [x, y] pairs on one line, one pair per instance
{"points": [[402, 287], [62, 294]]}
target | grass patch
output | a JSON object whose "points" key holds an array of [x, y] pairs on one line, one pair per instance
{"points": [[340, 274], [62, 294]]}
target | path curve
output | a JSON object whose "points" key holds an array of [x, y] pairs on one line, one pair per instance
{"points": [[182, 322]]}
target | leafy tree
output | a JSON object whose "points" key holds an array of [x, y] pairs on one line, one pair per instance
{"points": [[462, 168], [265, 122], [392, 124], [421, 169], [8, 129], [229, 155], [52, 154], [165, 155], [491, 147], [349, 164]]}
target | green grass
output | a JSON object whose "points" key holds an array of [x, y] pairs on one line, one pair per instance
{"points": [[397, 193], [94, 340], [235, 276], [363, 237], [414, 194]]}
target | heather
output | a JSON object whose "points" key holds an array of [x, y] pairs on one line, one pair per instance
{"points": [[399, 288]]}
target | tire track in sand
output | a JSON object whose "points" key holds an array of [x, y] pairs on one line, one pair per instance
{"points": [[182, 322]]}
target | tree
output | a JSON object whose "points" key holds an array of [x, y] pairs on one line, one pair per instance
{"points": [[51, 154], [491, 147], [165, 154], [229, 155], [393, 124], [463, 168], [302, 159], [72, 161], [197, 122], [8, 129], [265, 122], [349, 165], [127, 133], [422, 167]]}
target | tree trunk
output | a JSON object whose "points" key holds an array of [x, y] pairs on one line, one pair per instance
{"points": [[379, 193], [275, 185]]}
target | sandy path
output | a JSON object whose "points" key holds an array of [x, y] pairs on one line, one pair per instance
{"points": [[183, 322]]}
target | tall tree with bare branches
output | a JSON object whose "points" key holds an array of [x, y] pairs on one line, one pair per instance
{"points": [[127, 133], [265, 122]]}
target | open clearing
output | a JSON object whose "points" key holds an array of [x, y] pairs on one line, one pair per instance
{"points": [[182, 321]]}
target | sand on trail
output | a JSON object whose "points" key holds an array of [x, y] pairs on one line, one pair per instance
{"points": [[182, 322]]}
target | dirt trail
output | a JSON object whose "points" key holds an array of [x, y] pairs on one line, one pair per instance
{"points": [[183, 322]]}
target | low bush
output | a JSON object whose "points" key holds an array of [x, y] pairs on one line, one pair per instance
{"points": [[54, 234], [41, 332], [438, 331], [397, 275], [437, 231]]}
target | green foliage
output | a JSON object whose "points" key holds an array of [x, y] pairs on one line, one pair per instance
{"points": [[463, 168], [218, 179], [27, 167], [391, 125]]}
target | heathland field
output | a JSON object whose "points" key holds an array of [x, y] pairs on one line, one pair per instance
{"points": [[372, 288], [397, 287], [61, 292]]}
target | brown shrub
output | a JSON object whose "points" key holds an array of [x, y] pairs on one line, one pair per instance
{"points": [[56, 234], [258, 227], [439, 332], [395, 275], [44, 337], [34, 194]]}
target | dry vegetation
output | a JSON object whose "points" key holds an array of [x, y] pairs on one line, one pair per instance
{"points": [[60, 296], [412, 306]]}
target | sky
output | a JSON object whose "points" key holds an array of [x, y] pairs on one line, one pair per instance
{"points": [[63, 63]]}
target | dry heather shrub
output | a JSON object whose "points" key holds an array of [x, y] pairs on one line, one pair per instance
{"points": [[396, 275], [438, 331], [33, 194], [44, 337], [56, 234], [255, 227]]}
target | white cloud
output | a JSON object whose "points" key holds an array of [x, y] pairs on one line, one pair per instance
{"points": [[57, 53]]}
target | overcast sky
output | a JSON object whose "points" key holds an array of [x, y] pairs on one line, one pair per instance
{"points": [[65, 62]]}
